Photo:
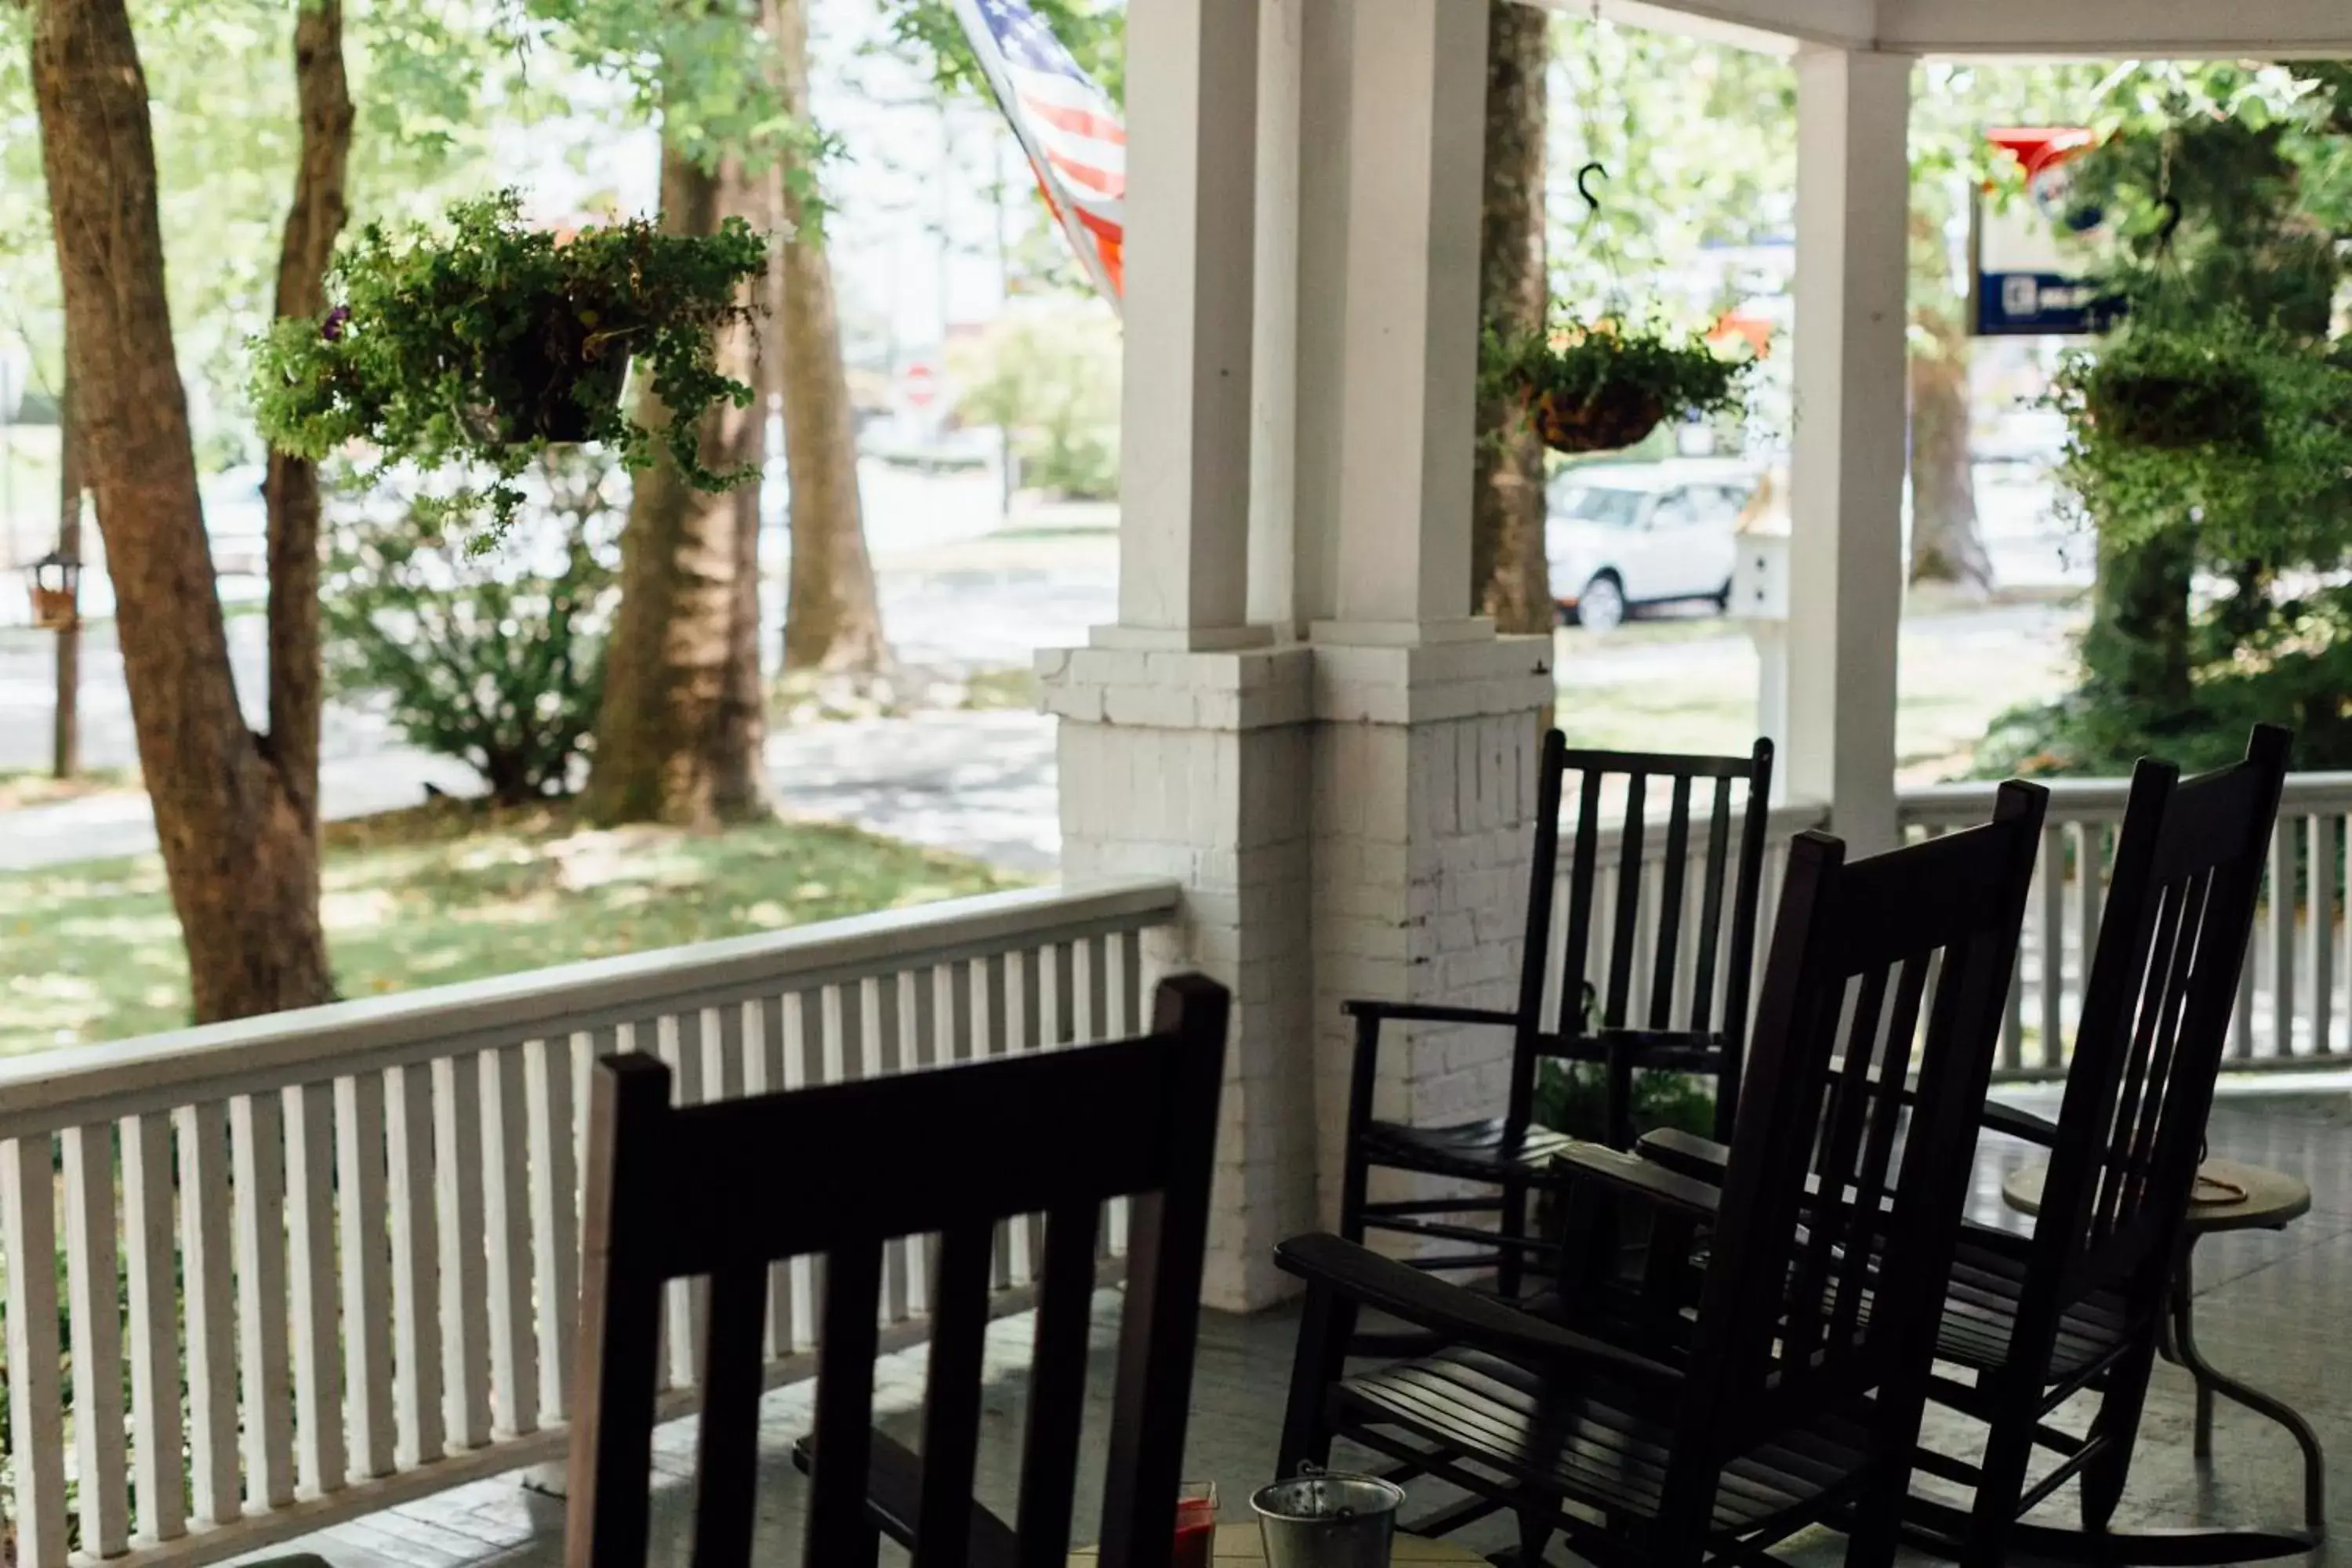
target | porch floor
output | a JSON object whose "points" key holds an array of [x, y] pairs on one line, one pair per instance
{"points": [[2271, 1309]]}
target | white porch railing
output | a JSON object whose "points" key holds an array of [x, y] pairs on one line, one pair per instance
{"points": [[334, 1254], [2291, 1009]]}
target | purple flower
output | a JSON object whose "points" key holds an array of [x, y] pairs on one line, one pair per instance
{"points": [[331, 329]]}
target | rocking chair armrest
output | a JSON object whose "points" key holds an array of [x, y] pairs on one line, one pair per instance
{"points": [[1670, 1190], [1684, 1154], [1463, 1317], [2021, 1124], [1429, 1013]]}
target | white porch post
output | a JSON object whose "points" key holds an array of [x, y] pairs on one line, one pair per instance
{"points": [[1183, 735], [1846, 595], [1425, 741]]}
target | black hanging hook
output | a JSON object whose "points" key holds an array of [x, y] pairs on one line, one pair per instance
{"points": [[1586, 173], [2169, 205]]}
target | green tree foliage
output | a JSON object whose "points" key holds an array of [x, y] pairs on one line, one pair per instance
{"points": [[2211, 437], [496, 658], [1053, 380], [421, 72]]}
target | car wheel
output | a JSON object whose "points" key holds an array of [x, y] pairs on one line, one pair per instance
{"points": [[1722, 599], [1601, 607]]}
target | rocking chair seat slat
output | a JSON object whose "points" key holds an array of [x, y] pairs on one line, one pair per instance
{"points": [[1565, 1440], [1485, 1150]]}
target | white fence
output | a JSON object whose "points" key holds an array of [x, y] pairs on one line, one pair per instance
{"points": [[338, 1251]]}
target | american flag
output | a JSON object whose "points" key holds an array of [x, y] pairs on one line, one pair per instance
{"points": [[1066, 124]]}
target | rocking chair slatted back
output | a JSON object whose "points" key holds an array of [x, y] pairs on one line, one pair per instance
{"points": [[1841, 1203], [2155, 1021], [1713, 932], [724, 1190]]}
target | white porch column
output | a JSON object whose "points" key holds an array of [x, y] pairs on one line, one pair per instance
{"points": [[1184, 428], [1183, 736], [1845, 596], [1425, 743]]}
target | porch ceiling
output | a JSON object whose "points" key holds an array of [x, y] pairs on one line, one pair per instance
{"points": [[2098, 29]]}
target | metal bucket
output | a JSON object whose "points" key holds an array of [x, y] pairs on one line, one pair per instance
{"points": [[1327, 1521]]}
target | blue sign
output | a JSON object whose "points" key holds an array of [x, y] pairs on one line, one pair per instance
{"points": [[2035, 304]]}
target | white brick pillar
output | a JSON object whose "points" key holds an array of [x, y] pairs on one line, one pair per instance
{"points": [[1846, 579], [1196, 766], [1348, 814], [1426, 735]]}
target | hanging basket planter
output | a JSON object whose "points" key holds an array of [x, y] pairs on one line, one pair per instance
{"points": [[1609, 421], [557, 388], [2221, 406], [478, 346], [1605, 388]]}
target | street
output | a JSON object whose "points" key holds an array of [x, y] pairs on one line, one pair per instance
{"points": [[960, 594]]}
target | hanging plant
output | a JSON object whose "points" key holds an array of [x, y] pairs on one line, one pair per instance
{"points": [[1604, 387], [484, 346], [2210, 421]]}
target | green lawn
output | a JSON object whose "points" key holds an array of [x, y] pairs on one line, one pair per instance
{"points": [[451, 892]]}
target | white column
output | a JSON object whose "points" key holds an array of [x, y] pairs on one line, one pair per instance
{"points": [[1274, 378], [1406, 381], [1846, 544], [1184, 435]]}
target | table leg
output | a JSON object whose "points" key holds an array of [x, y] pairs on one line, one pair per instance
{"points": [[2209, 1380]]}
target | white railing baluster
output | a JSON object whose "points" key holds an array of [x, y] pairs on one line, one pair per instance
{"points": [[204, 1260], [148, 1236], [882, 1021], [95, 1320], [320, 1459], [554, 1213], [465, 1290], [258, 1153], [29, 1234], [803, 1036], [2320, 894], [415, 1265], [506, 1230], [2282, 921], [2051, 929], [2090, 895], [363, 1213]]}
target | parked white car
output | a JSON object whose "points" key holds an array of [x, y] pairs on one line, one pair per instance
{"points": [[1622, 535]]}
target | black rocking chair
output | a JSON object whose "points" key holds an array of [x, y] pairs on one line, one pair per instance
{"points": [[1794, 1393], [1662, 1015], [725, 1189], [2080, 1305]]}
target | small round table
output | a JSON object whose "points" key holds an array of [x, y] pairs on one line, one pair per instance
{"points": [[1240, 1544], [2230, 1195]]}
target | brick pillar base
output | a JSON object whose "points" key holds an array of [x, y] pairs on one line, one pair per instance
{"points": [[1346, 822], [1425, 784]]}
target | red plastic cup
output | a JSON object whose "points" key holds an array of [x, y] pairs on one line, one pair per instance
{"points": [[1196, 1525]]}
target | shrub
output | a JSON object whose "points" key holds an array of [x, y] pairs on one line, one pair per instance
{"points": [[494, 657]]}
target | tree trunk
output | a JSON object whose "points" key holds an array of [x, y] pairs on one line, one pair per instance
{"points": [[240, 856], [1945, 545], [297, 680], [65, 736], [833, 616], [678, 738], [1509, 574]]}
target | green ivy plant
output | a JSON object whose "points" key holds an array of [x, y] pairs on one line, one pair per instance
{"points": [[1606, 386], [2214, 424], [484, 346]]}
